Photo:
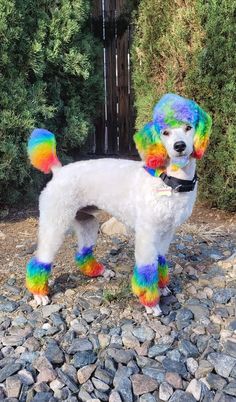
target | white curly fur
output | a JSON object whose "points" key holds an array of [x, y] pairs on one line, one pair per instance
{"points": [[125, 190]]}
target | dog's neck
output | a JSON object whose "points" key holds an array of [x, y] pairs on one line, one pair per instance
{"points": [[185, 173]]}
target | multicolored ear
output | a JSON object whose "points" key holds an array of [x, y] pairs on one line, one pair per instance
{"points": [[150, 147], [202, 133]]}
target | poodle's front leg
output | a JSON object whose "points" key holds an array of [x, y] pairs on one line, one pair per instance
{"points": [[145, 278]]}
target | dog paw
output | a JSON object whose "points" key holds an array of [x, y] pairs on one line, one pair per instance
{"points": [[165, 291], [108, 274], [41, 300], [155, 311]]}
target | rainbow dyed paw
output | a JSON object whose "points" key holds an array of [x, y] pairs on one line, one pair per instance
{"points": [[87, 263], [145, 285], [37, 275]]}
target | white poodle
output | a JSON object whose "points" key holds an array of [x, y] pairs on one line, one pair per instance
{"points": [[153, 197]]}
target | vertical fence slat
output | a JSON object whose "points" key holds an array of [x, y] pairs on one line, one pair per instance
{"points": [[123, 78], [99, 123], [110, 46]]}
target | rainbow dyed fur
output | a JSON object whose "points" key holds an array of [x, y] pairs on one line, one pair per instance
{"points": [[42, 150], [87, 263], [145, 284], [163, 271], [37, 275]]}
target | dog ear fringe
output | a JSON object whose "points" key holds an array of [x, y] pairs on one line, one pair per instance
{"points": [[202, 134], [150, 147], [42, 150]]}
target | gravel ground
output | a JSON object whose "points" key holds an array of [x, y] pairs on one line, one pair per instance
{"points": [[94, 342]]}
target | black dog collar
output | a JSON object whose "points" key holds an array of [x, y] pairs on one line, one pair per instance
{"points": [[178, 185]]}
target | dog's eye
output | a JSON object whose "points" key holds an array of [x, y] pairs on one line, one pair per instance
{"points": [[188, 128], [166, 132]]}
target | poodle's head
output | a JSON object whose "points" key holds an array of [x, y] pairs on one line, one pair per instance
{"points": [[180, 129]]}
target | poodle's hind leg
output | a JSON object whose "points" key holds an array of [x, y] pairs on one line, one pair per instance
{"points": [[53, 224], [86, 227], [164, 276]]}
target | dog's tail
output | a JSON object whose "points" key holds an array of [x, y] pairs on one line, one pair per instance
{"points": [[42, 150]]}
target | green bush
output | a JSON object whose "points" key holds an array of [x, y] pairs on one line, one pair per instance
{"points": [[49, 77], [189, 48]]}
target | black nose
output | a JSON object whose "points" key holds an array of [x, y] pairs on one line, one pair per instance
{"points": [[179, 146]]}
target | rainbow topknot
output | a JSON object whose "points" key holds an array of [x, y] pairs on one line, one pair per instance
{"points": [[42, 150]]}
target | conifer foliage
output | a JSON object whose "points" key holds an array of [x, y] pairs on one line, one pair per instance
{"points": [[49, 77]]}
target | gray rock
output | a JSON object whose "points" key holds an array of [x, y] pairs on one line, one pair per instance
{"points": [[84, 358], [42, 397], [104, 376], [13, 340], [53, 353], [183, 318], [123, 384], [181, 396], [142, 384], [156, 373], [188, 349], [67, 380], [90, 315], [26, 377], [8, 370], [101, 396], [115, 397], [13, 386], [230, 347], [120, 355], [144, 333], [147, 398], [46, 311], [79, 345], [158, 350], [100, 385], [165, 391], [84, 395], [222, 363], [216, 381], [230, 389], [174, 366], [200, 311], [222, 295], [8, 306]]}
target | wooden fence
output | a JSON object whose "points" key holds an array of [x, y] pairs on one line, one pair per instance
{"points": [[114, 127]]}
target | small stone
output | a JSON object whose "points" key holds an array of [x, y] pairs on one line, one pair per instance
{"points": [[144, 333], [183, 318], [174, 366], [78, 327], [46, 311], [143, 384], [85, 358], [158, 350], [181, 396], [203, 369], [13, 386], [85, 373], [232, 325], [230, 347], [104, 340], [165, 391], [46, 375], [115, 397], [104, 376], [84, 395], [8, 306], [79, 345], [100, 385], [230, 389], [32, 344], [41, 363], [222, 363], [123, 384], [42, 397], [199, 311], [67, 380], [174, 379], [26, 377], [147, 398], [120, 355], [13, 340], [113, 227], [215, 381], [90, 315], [155, 373], [56, 384], [195, 388], [222, 295], [129, 341], [53, 353], [188, 349], [8, 370], [192, 365]]}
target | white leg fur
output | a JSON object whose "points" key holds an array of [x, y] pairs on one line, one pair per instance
{"points": [[41, 300]]}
